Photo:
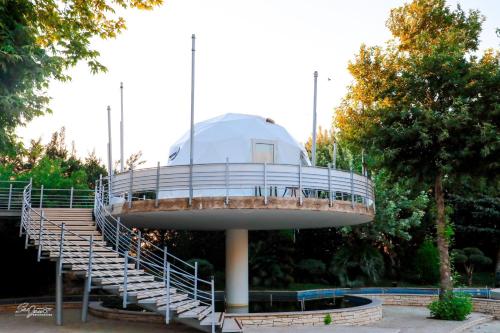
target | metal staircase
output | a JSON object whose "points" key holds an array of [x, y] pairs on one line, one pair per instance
{"points": [[93, 243]]}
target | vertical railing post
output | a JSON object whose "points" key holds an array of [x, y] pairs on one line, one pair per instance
{"points": [[40, 235], [366, 190], [95, 198], [195, 291], [88, 282], [190, 202], [41, 197], [165, 281], [130, 187], [59, 286], [138, 251], [212, 287], [265, 183], [226, 178], [9, 202], [167, 305], [101, 190], [300, 184], [329, 184], [117, 236], [71, 197], [352, 188], [125, 276], [157, 184]]}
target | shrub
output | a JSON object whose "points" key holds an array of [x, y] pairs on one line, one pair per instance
{"points": [[328, 319], [427, 262], [311, 270], [451, 307], [205, 268]]}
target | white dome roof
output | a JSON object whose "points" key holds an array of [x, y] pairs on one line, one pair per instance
{"points": [[235, 136]]}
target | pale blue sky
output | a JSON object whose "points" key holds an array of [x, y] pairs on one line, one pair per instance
{"points": [[255, 57]]}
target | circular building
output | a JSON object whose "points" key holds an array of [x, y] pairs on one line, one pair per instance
{"points": [[248, 173]]}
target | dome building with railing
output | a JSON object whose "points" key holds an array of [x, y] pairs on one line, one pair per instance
{"points": [[248, 173]]}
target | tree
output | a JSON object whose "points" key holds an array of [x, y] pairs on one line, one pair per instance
{"points": [[426, 105], [39, 40], [470, 257]]}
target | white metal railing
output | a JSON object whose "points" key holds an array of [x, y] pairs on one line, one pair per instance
{"points": [[11, 196], [241, 179], [127, 243]]}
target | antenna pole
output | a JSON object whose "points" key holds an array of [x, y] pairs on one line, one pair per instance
{"points": [[191, 137], [122, 162], [110, 153], [313, 155]]}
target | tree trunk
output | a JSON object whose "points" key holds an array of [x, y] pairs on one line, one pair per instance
{"points": [[442, 241], [497, 269]]}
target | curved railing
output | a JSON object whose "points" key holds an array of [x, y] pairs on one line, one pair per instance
{"points": [[241, 179]]}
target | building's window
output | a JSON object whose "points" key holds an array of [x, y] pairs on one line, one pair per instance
{"points": [[263, 153]]}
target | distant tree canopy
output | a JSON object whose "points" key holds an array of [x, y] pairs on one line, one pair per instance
{"points": [[39, 40], [52, 165]]}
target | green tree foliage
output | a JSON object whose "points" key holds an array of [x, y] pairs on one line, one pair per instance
{"points": [[426, 105], [270, 258], [311, 270], [358, 264], [427, 262], [52, 165], [470, 257], [39, 40]]}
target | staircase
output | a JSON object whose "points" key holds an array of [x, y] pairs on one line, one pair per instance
{"points": [[92, 243]]}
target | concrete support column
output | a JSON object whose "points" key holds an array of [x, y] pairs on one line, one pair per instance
{"points": [[237, 270]]}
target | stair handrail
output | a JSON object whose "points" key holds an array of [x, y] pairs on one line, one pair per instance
{"points": [[179, 278], [128, 240]]}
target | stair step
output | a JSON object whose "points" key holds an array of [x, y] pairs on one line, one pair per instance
{"points": [[120, 280], [193, 313], [55, 254], [71, 247], [139, 286], [95, 260], [219, 318], [155, 300], [176, 305], [231, 325], [152, 293], [178, 297], [116, 273], [96, 267], [191, 304], [205, 313]]}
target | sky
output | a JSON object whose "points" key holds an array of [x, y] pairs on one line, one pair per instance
{"points": [[253, 57]]}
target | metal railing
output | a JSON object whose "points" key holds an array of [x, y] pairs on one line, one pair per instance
{"points": [[125, 242], [240, 179], [11, 194]]}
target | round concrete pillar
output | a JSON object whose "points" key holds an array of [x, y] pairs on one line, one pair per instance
{"points": [[237, 269]]}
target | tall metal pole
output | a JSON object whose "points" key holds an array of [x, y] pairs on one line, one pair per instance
{"points": [[191, 137], [313, 157], [110, 153], [122, 162]]}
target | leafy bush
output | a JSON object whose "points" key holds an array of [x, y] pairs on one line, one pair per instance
{"points": [[328, 319], [451, 307], [311, 270], [427, 262], [205, 268], [355, 265]]}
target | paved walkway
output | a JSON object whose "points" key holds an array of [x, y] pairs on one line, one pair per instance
{"points": [[491, 327], [396, 320]]}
